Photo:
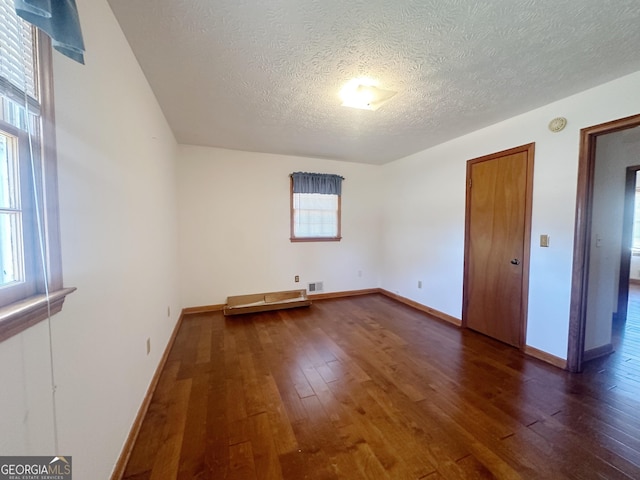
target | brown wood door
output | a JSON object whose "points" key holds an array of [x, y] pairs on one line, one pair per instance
{"points": [[497, 244]]}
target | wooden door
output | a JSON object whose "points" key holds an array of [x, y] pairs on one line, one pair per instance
{"points": [[497, 242]]}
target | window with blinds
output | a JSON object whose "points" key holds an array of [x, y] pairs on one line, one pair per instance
{"points": [[30, 274], [315, 207], [19, 118]]}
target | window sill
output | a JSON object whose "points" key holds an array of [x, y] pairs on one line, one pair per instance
{"points": [[316, 239], [21, 315]]}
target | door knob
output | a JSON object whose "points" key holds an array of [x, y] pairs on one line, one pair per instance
{"points": [[515, 261]]}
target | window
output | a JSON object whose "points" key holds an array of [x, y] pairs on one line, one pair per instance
{"points": [[315, 207], [30, 265], [14, 227], [636, 218]]}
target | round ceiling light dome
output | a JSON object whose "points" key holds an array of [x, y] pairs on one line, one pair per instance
{"points": [[557, 124]]}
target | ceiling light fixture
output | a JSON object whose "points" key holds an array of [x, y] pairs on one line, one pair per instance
{"points": [[364, 93], [557, 124]]}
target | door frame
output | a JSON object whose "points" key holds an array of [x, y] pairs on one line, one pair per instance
{"points": [[627, 241], [529, 149], [582, 235]]}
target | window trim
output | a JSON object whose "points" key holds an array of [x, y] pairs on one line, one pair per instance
{"points": [[292, 236], [48, 298]]}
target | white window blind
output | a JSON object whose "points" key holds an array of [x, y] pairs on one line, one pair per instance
{"points": [[17, 66], [315, 215]]}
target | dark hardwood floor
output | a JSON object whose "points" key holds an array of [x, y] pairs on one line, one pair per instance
{"points": [[367, 388], [621, 370]]}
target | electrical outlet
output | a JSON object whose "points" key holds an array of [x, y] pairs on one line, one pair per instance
{"points": [[296, 278], [359, 273], [148, 346], [419, 283], [168, 311]]}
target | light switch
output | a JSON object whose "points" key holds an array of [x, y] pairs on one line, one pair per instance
{"points": [[544, 240]]}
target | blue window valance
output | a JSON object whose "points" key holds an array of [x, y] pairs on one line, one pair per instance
{"points": [[58, 19], [325, 183]]}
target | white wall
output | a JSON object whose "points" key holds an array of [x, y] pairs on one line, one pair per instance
{"points": [[234, 226], [423, 234], [116, 159], [613, 156]]}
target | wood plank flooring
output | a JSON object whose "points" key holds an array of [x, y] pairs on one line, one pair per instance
{"points": [[367, 388]]}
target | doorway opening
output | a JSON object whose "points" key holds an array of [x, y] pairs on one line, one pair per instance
{"points": [[583, 233]]}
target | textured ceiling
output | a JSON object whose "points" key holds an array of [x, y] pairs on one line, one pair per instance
{"points": [[264, 75]]}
